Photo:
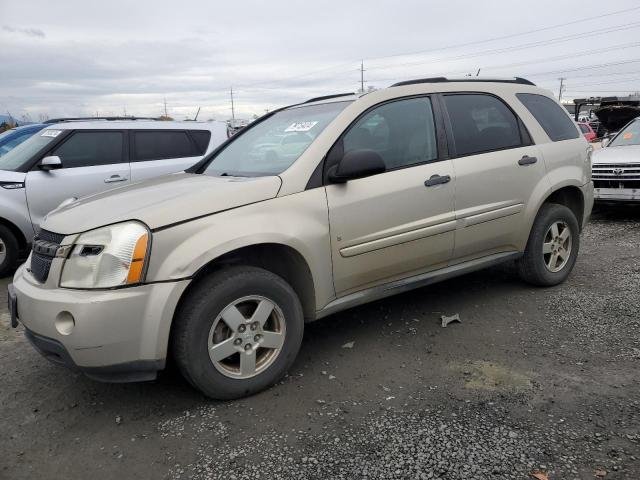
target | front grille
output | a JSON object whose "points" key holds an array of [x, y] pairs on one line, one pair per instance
{"points": [[44, 247], [616, 175]]}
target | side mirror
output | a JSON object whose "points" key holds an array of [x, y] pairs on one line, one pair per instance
{"points": [[605, 141], [50, 163], [357, 164]]}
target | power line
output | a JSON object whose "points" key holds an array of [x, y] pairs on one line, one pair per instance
{"points": [[587, 67], [554, 59], [449, 47], [551, 41], [504, 37]]}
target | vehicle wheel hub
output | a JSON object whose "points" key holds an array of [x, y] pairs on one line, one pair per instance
{"points": [[556, 247], [247, 337]]}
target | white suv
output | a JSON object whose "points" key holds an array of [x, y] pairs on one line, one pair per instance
{"points": [[80, 158]]}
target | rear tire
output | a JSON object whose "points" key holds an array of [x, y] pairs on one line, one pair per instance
{"points": [[552, 247], [9, 251], [237, 332]]}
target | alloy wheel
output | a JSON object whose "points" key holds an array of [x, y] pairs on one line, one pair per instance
{"points": [[247, 337], [556, 248]]}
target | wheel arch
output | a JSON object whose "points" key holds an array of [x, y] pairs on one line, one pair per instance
{"points": [[13, 228], [283, 260], [571, 197]]}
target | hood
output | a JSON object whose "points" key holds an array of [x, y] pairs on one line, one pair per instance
{"points": [[622, 154], [161, 201]]}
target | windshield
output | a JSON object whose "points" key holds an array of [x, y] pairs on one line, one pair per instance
{"points": [[11, 139], [14, 159], [271, 146], [628, 136]]}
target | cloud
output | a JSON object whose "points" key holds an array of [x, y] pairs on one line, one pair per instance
{"points": [[277, 53], [30, 32]]}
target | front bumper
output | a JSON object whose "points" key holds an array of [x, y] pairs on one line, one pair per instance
{"points": [[630, 195], [115, 335]]}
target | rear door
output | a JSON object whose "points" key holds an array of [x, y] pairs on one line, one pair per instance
{"points": [[160, 152], [401, 222], [92, 161], [497, 170]]}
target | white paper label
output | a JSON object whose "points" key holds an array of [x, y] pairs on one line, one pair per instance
{"points": [[51, 133], [301, 126]]}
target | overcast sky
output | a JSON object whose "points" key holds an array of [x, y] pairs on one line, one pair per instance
{"points": [[82, 57]]}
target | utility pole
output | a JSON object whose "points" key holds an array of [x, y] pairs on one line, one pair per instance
{"points": [[362, 70], [233, 111], [562, 79]]}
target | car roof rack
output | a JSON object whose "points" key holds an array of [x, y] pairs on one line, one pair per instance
{"points": [[518, 80], [327, 97], [87, 119]]}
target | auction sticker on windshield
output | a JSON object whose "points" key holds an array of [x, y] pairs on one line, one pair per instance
{"points": [[51, 133], [300, 126]]}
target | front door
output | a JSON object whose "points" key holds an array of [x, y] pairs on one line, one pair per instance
{"points": [[400, 222], [92, 162]]}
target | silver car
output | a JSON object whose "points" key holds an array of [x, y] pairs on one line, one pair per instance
{"points": [[80, 158], [616, 167]]}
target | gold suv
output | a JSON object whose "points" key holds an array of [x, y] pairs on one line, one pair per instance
{"points": [[312, 209]]}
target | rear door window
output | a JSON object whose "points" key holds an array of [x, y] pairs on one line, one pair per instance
{"points": [[201, 137], [481, 123], [552, 117], [88, 149], [161, 145]]}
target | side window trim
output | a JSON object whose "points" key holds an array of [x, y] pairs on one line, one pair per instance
{"points": [[132, 144], [526, 140], [334, 154], [124, 154]]}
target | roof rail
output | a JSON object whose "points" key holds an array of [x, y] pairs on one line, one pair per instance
{"points": [[327, 97], [519, 80], [86, 119]]}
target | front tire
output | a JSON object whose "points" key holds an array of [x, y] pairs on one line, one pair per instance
{"points": [[237, 332], [552, 247], [9, 251]]}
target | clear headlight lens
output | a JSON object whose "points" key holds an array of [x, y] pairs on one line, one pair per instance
{"points": [[107, 257]]}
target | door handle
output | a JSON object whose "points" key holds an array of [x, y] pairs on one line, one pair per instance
{"points": [[114, 179], [527, 160], [437, 180]]}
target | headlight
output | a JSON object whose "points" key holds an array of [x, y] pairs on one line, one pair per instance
{"points": [[107, 257]]}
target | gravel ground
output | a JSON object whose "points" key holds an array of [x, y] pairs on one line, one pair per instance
{"points": [[532, 380]]}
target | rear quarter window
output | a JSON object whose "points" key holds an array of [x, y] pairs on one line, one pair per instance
{"points": [[201, 137], [161, 145], [553, 119]]}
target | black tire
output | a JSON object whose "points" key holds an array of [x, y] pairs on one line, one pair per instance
{"points": [[11, 251], [198, 311], [531, 266]]}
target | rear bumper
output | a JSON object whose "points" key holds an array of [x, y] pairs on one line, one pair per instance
{"points": [[588, 195]]}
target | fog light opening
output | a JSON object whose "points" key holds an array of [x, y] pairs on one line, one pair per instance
{"points": [[65, 323]]}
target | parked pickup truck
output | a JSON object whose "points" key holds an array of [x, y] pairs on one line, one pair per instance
{"points": [[616, 166]]}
